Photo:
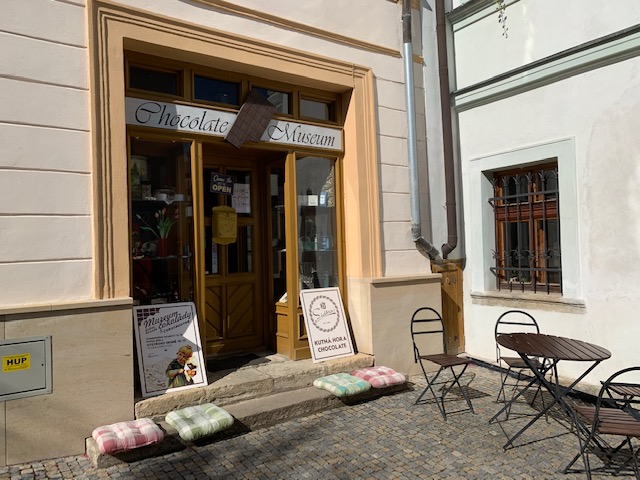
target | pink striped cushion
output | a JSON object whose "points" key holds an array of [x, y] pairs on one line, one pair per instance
{"points": [[380, 377], [122, 436]]}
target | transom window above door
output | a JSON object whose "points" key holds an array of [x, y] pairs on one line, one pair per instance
{"points": [[197, 84]]}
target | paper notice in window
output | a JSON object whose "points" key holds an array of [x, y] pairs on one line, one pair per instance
{"points": [[241, 199]]}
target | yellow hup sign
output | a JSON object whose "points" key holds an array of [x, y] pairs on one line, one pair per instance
{"points": [[14, 363]]}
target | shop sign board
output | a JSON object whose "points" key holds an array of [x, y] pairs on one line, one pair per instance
{"points": [[170, 355], [208, 121], [326, 324], [221, 184], [26, 367]]}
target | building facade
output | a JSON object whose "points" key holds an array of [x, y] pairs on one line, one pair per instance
{"points": [[118, 153], [116, 150], [545, 105]]}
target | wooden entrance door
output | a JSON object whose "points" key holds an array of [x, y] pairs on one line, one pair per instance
{"points": [[234, 288]]}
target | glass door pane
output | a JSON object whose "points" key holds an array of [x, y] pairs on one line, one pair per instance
{"points": [[278, 238], [161, 222], [212, 252], [241, 251], [317, 234]]}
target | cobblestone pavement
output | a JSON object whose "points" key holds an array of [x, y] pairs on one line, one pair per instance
{"points": [[386, 438]]}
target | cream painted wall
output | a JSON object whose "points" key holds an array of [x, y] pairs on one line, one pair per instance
{"points": [[45, 181], [400, 257], [393, 302], [44, 131], [597, 112], [46, 224]]}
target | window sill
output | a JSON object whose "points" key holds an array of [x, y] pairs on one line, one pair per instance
{"points": [[553, 302]]}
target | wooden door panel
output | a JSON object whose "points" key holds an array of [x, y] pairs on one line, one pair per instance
{"points": [[241, 310], [213, 313]]}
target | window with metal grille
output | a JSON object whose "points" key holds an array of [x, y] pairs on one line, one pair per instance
{"points": [[527, 229]]}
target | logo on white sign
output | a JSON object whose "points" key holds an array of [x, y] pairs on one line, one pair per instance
{"points": [[323, 313]]}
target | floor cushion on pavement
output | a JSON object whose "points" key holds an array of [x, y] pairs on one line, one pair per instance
{"points": [[122, 436], [199, 421], [342, 384], [380, 377]]}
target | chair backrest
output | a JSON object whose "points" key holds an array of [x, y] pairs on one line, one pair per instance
{"points": [[621, 390], [426, 322], [514, 321]]}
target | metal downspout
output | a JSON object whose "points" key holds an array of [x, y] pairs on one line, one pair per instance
{"points": [[447, 135], [422, 244]]}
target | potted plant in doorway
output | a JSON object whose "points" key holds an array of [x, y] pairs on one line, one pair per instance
{"points": [[164, 223]]}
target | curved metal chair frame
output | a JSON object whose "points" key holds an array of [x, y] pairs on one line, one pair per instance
{"points": [[426, 321], [514, 321], [615, 415]]}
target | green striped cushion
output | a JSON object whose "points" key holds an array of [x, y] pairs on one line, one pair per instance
{"points": [[199, 421], [342, 384]]}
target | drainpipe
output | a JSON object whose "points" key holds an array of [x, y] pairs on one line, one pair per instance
{"points": [[447, 135], [422, 244]]}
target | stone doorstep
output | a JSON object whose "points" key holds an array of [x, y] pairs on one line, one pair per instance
{"points": [[249, 415], [233, 386]]}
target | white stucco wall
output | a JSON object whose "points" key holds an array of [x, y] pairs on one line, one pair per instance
{"points": [[590, 119], [536, 29]]}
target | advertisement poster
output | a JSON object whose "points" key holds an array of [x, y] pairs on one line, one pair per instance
{"points": [[326, 324], [170, 355]]}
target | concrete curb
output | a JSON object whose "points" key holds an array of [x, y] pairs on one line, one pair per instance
{"points": [[249, 415], [257, 397]]}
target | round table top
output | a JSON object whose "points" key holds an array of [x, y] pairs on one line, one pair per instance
{"points": [[550, 346]]}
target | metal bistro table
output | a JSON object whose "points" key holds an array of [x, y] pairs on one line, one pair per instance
{"points": [[535, 346]]}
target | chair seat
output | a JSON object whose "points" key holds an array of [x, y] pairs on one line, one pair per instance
{"points": [[342, 384], [193, 423], [612, 421], [626, 390], [517, 362], [122, 436], [380, 377], [446, 360]]}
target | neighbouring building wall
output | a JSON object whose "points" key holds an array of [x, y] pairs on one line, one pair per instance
{"points": [[581, 108]]}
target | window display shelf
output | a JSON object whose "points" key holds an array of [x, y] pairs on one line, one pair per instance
{"points": [[162, 227]]}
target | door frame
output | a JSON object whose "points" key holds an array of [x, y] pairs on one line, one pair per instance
{"points": [[212, 153]]}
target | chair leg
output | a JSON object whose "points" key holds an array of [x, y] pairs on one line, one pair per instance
{"points": [[464, 394], [634, 457], [514, 390], [429, 387], [585, 458], [439, 400], [518, 377], [582, 453], [503, 380]]}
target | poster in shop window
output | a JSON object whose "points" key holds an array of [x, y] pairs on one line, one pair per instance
{"points": [[326, 324], [170, 354]]}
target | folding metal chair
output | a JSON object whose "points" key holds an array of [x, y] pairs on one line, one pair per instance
{"points": [[608, 428], [514, 321], [427, 322]]}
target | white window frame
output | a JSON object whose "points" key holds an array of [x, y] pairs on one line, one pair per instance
{"points": [[481, 222]]}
